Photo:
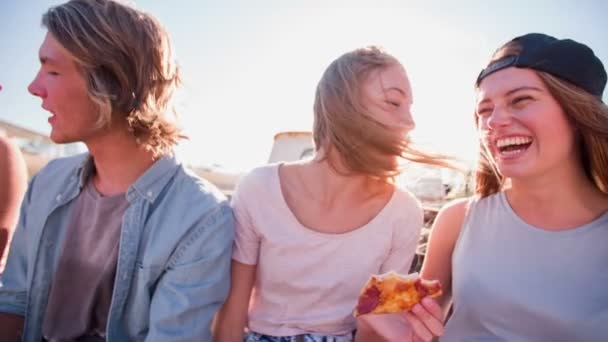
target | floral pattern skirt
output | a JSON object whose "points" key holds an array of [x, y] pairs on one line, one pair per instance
{"points": [[255, 337]]}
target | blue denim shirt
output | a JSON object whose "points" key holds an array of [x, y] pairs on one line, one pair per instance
{"points": [[174, 255]]}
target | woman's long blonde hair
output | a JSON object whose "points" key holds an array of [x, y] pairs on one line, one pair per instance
{"points": [[342, 122], [586, 113]]}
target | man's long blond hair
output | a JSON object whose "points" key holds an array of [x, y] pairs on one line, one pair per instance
{"points": [[126, 59]]}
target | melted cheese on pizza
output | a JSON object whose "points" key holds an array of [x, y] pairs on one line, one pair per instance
{"points": [[392, 292]]}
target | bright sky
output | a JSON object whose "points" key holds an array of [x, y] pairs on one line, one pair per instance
{"points": [[250, 68]]}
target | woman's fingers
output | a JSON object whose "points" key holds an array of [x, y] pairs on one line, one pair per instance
{"points": [[426, 319], [433, 307], [422, 323], [419, 328]]}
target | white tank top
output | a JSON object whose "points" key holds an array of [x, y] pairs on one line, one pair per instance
{"points": [[516, 282]]}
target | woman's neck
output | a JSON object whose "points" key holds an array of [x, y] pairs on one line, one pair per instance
{"points": [[557, 200]]}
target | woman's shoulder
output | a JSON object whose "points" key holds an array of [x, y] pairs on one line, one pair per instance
{"points": [[259, 177], [462, 206], [12, 163], [406, 200], [403, 210], [454, 214], [448, 223], [457, 207], [8, 150]]}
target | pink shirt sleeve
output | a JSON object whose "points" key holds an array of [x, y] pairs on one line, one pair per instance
{"points": [[247, 238], [405, 239]]}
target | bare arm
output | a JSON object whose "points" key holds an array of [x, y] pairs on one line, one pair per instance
{"points": [[13, 183], [232, 318], [11, 327], [438, 260]]}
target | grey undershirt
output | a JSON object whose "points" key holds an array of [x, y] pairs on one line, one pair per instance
{"points": [[81, 290]]}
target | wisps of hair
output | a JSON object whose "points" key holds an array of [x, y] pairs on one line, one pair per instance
{"points": [[342, 121], [126, 58]]}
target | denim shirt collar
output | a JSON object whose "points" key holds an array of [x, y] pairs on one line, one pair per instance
{"points": [[148, 186], [151, 183]]}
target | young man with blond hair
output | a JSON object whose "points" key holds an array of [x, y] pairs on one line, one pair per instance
{"points": [[121, 243]]}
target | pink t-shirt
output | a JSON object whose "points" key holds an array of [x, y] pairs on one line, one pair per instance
{"points": [[307, 281]]}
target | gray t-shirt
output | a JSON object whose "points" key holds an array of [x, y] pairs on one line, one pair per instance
{"points": [[516, 282], [81, 291]]}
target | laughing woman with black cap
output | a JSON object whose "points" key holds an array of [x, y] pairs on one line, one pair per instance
{"points": [[526, 259]]}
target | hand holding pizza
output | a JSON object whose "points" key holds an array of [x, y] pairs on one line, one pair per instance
{"points": [[397, 307]]}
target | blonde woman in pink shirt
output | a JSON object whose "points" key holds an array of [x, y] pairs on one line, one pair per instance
{"points": [[310, 233]]}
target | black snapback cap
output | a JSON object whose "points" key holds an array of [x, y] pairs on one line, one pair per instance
{"points": [[564, 58]]}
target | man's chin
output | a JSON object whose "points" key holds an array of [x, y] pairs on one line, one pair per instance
{"points": [[59, 139]]}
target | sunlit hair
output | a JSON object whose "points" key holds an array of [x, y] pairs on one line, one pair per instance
{"points": [[126, 59], [585, 112], [343, 123]]}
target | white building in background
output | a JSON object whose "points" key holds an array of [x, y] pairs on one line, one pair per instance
{"points": [[287, 146], [224, 179], [291, 146]]}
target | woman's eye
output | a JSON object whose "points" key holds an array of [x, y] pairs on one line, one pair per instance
{"points": [[393, 103], [484, 111], [521, 100]]}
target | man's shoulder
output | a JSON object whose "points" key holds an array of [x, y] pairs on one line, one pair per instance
{"points": [[194, 189], [194, 208]]}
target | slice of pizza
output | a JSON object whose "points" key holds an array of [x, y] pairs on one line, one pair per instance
{"points": [[392, 292]]}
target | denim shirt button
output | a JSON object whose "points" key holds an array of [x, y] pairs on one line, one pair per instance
{"points": [[59, 197], [149, 194]]}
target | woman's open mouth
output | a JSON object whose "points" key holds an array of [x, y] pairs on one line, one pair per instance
{"points": [[512, 146]]}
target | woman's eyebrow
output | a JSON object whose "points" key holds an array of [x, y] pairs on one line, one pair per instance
{"points": [[510, 92], [513, 91]]}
